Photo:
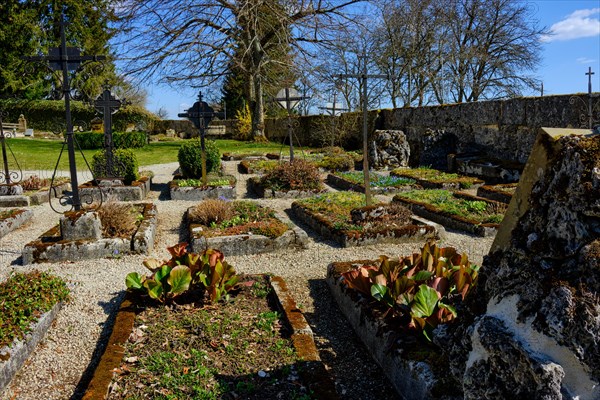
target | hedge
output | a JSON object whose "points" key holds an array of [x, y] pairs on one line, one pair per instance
{"points": [[43, 115], [121, 140]]}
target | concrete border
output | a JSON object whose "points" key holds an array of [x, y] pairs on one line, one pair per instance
{"points": [[408, 234], [197, 193], [245, 244], [413, 380], [450, 220], [50, 248], [14, 221], [20, 350], [428, 184], [313, 372], [492, 192]]}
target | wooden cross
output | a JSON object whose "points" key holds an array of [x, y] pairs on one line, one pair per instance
{"points": [[288, 100], [363, 77], [67, 59], [200, 114], [107, 105]]}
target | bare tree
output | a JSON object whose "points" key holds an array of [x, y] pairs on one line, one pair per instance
{"points": [[198, 42]]}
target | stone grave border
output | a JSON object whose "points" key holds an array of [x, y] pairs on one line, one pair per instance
{"points": [[137, 191], [412, 379], [11, 223], [493, 192], [450, 220], [245, 244], [344, 184], [49, 248], [313, 372], [19, 350], [34, 198], [255, 187], [421, 231], [197, 193]]}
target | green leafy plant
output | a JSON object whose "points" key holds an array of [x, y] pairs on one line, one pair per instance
{"points": [[125, 165], [190, 158], [295, 175], [185, 271], [24, 297], [421, 289], [337, 162]]}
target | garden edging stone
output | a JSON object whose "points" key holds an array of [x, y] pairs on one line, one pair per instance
{"points": [[13, 222]]}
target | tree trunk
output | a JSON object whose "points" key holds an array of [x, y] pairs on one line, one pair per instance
{"points": [[258, 115]]}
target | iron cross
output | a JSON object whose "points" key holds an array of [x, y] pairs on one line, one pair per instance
{"points": [[67, 59], [289, 100], [107, 105], [363, 77]]}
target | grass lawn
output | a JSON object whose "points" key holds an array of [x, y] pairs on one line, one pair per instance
{"points": [[42, 154]]}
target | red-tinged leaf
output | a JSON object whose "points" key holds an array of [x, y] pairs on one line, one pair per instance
{"points": [[177, 251], [441, 286], [358, 279]]}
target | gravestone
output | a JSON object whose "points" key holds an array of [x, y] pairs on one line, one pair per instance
{"points": [[532, 326]]}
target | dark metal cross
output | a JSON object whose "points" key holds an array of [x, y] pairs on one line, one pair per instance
{"points": [[107, 104], [200, 114], [289, 99], [363, 77], [590, 111], [67, 59]]}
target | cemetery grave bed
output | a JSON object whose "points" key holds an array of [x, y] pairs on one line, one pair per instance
{"points": [[37, 197], [489, 169], [13, 218], [417, 370], [256, 166], [330, 216], [50, 247], [40, 297], [241, 156], [255, 346], [137, 191], [219, 186], [379, 184], [433, 179], [459, 211], [501, 192], [261, 232], [254, 186]]}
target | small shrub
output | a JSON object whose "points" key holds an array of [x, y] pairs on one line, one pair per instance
{"points": [[118, 219], [34, 182], [337, 162], [243, 125], [295, 175], [211, 211], [126, 165], [190, 158], [121, 140]]}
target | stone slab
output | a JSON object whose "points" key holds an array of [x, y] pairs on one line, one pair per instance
{"points": [[19, 350], [413, 380], [495, 192], [420, 232], [492, 171], [266, 193], [313, 372], [50, 247], [200, 193], [14, 201], [15, 221], [238, 245]]}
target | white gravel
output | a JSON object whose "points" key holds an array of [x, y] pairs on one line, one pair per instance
{"points": [[72, 345]]}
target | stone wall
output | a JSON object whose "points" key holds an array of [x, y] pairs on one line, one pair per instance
{"points": [[505, 129], [531, 329]]}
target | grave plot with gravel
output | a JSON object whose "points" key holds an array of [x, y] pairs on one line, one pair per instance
{"points": [[239, 228], [343, 217]]}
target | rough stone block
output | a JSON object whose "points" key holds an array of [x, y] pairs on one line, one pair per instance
{"points": [[77, 225]]}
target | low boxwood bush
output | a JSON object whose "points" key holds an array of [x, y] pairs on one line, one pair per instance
{"points": [[121, 140], [126, 165], [24, 298], [190, 158]]}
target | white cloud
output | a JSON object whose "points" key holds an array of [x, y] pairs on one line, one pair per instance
{"points": [[585, 60], [578, 24]]}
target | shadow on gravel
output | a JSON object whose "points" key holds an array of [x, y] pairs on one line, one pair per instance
{"points": [[314, 236], [163, 188], [356, 374], [110, 308]]}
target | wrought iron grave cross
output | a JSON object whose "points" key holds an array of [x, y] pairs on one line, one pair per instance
{"points": [[289, 99], [363, 77], [107, 104], [7, 175], [67, 59], [590, 112], [200, 114]]}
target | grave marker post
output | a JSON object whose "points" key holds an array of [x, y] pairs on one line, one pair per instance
{"points": [[363, 78], [107, 104], [289, 99]]}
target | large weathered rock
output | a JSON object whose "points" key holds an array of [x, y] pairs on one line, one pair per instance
{"points": [[389, 149], [79, 225], [533, 330]]}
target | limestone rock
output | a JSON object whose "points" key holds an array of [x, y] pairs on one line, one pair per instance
{"points": [[11, 190], [389, 149], [78, 225]]}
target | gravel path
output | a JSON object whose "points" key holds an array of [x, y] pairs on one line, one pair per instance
{"points": [[61, 365]]}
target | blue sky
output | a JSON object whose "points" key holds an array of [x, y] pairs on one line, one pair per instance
{"points": [[568, 52]]}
